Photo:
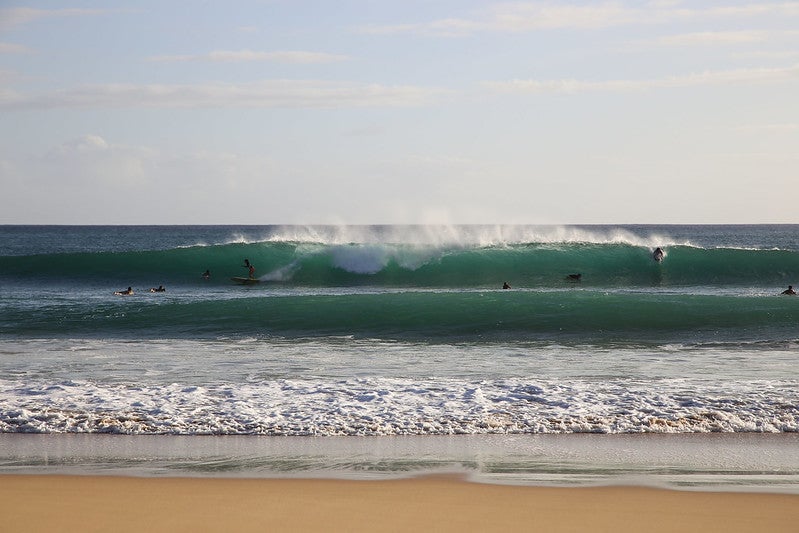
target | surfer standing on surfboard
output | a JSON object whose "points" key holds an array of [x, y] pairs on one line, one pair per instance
{"points": [[250, 268], [658, 255]]}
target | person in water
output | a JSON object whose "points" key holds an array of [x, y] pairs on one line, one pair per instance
{"points": [[126, 292], [658, 255], [505, 285], [159, 289], [207, 274], [250, 268], [789, 291], [574, 277]]}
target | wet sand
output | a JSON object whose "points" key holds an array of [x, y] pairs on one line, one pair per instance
{"points": [[436, 503]]}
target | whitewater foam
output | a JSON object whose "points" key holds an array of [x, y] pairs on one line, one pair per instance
{"points": [[458, 235], [391, 406]]}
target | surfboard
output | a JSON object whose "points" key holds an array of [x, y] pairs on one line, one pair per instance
{"points": [[246, 281]]}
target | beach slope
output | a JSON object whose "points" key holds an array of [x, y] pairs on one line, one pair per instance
{"points": [[437, 503]]}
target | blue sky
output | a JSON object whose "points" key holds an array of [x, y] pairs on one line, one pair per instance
{"points": [[299, 112]]}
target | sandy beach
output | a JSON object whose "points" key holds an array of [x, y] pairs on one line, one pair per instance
{"points": [[438, 503]]}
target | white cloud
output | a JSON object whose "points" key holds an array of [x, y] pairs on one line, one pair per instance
{"points": [[241, 56], [518, 17], [266, 94], [769, 54], [717, 37], [749, 10], [128, 183], [531, 16], [16, 16], [664, 3], [728, 77], [87, 163], [87, 143], [725, 37]]}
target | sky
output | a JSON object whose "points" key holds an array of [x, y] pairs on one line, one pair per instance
{"points": [[399, 112]]}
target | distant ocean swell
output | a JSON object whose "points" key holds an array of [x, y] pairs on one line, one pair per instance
{"points": [[400, 265], [391, 406], [557, 315]]}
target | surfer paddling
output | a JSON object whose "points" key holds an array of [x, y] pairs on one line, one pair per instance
{"points": [[789, 291], [126, 292]]}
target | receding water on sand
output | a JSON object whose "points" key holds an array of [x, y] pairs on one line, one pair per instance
{"points": [[738, 462]]}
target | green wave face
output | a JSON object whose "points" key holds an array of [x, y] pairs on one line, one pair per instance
{"points": [[560, 316], [399, 265]]}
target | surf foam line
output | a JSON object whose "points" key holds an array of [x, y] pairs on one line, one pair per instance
{"points": [[392, 406]]}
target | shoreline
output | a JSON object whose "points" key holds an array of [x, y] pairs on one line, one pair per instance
{"points": [[756, 463], [433, 503]]}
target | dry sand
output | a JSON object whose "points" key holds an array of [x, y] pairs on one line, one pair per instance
{"points": [[99, 503]]}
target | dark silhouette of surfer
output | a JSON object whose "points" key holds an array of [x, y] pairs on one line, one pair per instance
{"points": [[250, 268], [126, 292], [160, 288], [658, 255], [207, 274], [505, 285], [574, 277], [789, 291]]}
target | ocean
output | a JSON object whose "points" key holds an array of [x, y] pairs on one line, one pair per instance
{"points": [[394, 350]]}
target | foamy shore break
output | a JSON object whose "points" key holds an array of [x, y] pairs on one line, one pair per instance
{"points": [[437, 503]]}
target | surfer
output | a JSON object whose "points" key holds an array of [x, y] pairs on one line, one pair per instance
{"points": [[159, 289], [505, 285], [574, 277], [250, 268], [126, 292], [658, 255], [207, 274], [789, 291]]}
